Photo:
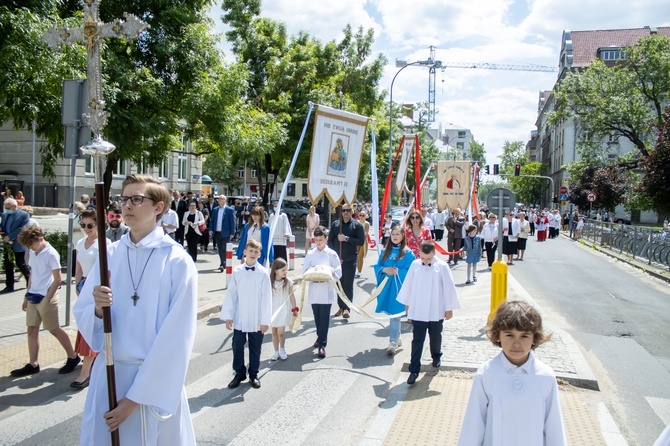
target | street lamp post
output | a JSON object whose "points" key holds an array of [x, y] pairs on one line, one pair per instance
{"points": [[403, 64]]}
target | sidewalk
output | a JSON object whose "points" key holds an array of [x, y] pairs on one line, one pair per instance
{"points": [[431, 409]]}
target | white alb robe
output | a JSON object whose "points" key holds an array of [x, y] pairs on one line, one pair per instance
{"points": [[513, 406], [428, 291], [322, 293], [248, 300], [152, 342]]}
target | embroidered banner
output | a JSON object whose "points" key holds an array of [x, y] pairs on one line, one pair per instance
{"points": [[337, 151], [453, 184], [405, 156]]}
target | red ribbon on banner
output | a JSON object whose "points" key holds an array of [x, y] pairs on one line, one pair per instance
{"points": [[442, 251]]}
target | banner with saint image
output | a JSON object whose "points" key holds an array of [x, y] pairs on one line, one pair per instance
{"points": [[453, 184], [405, 156], [337, 151]]}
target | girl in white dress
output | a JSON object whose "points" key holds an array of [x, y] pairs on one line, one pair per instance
{"points": [[283, 306]]}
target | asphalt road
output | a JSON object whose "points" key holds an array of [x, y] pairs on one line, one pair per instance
{"points": [[620, 316]]}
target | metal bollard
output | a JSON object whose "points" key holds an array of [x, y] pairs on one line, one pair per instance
{"points": [[229, 263], [291, 253], [498, 285]]}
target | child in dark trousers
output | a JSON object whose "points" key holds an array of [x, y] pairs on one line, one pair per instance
{"points": [[429, 295], [248, 307]]}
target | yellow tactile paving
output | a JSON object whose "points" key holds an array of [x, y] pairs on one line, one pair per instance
{"points": [[435, 406], [51, 352]]}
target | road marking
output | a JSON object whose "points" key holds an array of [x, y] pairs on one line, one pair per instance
{"points": [[292, 418], [662, 408]]}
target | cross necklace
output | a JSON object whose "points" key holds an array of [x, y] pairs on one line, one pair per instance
{"points": [[135, 297]]}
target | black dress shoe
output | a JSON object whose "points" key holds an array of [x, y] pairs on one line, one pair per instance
{"points": [[236, 381], [80, 384], [437, 362], [412, 378], [7, 291], [69, 366], [26, 370], [255, 382], [316, 344], [322, 352]]}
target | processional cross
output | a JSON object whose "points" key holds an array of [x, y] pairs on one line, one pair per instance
{"points": [[91, 35]]}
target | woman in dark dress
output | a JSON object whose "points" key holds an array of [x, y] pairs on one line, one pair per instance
{"points": [[510, 227]]}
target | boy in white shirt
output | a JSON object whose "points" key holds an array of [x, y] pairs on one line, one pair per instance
{"points": [[429, 296], [250, 314], [41, 301], [514, 398]]}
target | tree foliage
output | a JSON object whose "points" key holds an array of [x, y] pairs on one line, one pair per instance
{"points": [[621, 101], [656, 182], [608, 181], [478, 153], [287, 72], [169, 85]]}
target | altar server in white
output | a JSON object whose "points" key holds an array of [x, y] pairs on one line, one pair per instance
{"points": [[247, 307], [153, 301], [514, 399], [429, 295], [322, 294]]}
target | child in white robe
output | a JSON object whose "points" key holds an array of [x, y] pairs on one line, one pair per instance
{"points": [[514, 399], [154, 315], [429, 296], [248, 307]]}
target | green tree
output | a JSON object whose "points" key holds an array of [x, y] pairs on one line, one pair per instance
{"points": [[478, 153], [286, 73], [656, 183], [167, 85], [513, 153], [621, 101]]}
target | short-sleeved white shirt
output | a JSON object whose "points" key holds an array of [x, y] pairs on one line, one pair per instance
{"points": [[42, 266], [87, 257]]}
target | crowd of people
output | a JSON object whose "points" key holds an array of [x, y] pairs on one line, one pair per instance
{"points": [[146, 232]]}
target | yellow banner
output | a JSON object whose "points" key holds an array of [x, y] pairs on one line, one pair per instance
{"points": [[453, 184]]}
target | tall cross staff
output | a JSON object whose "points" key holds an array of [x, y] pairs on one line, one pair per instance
{"points": [[91, 35]]}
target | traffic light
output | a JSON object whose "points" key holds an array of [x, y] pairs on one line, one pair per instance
{"points": [[555, 200], [496, 169], [486, 170], [517, 170]]}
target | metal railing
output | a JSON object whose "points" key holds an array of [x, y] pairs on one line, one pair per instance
{"points": [[640, 242]]}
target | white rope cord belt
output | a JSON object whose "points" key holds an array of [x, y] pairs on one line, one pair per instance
{"points": [[143, 409], [323, 273]]}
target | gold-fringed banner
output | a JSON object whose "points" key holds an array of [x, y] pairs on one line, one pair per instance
{"points": [[453, 184]]}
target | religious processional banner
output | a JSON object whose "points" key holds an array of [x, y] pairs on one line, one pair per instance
{"points": [[453, 184], [407, 148], [337, 151]]}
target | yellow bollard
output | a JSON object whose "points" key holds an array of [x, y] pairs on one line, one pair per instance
{"points": [[498, 285]]}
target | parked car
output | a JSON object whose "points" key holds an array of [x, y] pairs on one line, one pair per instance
{"points": [[292, 209], [398, 214]]}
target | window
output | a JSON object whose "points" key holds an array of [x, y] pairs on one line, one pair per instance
{"points": [[142, 166], [461, 133], [253, 173], [88, 165], [240, 172], [304, 189], [120, 169], [163, 168], [460, 145], [290, 190], [181, 171], [612, 54]]}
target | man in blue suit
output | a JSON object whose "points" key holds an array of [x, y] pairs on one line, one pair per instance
{"points": [[222, 227], [13, 220]]}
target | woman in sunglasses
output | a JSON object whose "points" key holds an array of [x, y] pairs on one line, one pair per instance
{"points": [[415, 232], [87, 255]]}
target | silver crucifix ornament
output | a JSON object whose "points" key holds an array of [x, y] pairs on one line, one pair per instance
{"points": [[91, 35]]}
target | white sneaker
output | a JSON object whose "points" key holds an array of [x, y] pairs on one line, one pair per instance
{"points": [[282, 354], [275, 356], [391, 348], [399, 342]]}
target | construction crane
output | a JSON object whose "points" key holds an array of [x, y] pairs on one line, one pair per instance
{"points": [[480, 65]]}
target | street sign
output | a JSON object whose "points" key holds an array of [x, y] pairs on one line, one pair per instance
{"points": [[563, 190], [591, 197], [500, 200]]}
